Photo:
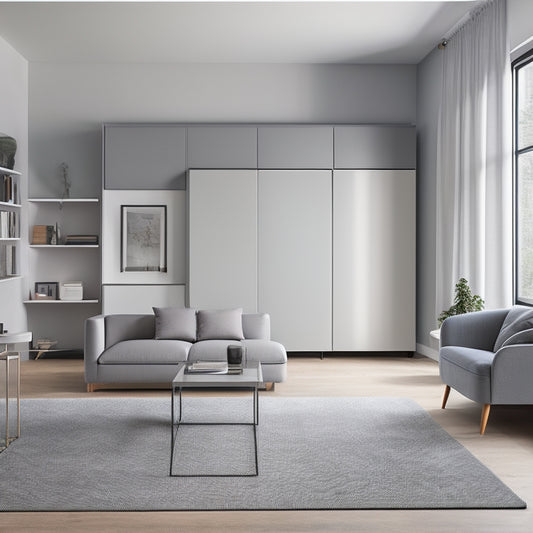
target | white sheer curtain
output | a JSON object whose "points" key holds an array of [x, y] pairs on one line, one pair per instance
{"points": [[474, 165]]}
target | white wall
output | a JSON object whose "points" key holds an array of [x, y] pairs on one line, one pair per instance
{"points": [[14, 122]]}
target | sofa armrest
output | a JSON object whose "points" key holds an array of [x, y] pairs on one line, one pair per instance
{"points": [[473, 330], [512, 375], [94, 345]]}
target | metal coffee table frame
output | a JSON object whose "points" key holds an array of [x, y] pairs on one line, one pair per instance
{"points": [[249, 380]]}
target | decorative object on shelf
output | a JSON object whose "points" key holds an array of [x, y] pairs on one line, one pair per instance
{"points": [[464, 301], [46, 290], [44, 344], [71, 290], [63, 170], [8, 149], [143, 238], [45, 234]]}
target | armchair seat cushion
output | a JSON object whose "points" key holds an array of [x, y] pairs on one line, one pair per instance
{"points": [[139, 351], [472, 360], [467, 370]]}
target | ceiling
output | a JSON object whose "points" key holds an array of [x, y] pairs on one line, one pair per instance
{"points": [[229, 32]]}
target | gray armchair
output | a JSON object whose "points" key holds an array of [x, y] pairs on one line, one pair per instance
{"points": [[487, 356]]}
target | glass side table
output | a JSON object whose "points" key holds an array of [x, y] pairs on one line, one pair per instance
{"points": [[10, 365]]}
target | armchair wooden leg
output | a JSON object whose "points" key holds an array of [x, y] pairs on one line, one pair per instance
{"points": [[91, 387], [484, 418], [445, 397]]}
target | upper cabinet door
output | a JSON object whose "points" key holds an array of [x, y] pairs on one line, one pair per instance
{"points": [[375, 147], [145, 157], [222, 147], [295, 147]]}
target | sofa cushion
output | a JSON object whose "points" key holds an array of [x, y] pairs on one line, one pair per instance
{"points": [[518, 319], [470, 359], [175, 323], [522, 337], [219, 325], [145, 351], [125, 327]]}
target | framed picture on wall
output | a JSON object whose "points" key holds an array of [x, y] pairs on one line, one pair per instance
{"points": [[46, 290], [143, 238]]}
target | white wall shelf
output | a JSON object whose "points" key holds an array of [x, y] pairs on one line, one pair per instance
{"points": [[10, 278], [64, 246], [10, 204], [48, 302], [50, 263], [10, 239], [63, 200], [4, 171]]}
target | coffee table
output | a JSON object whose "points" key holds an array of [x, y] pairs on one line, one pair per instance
{"points": [[250, 379]]}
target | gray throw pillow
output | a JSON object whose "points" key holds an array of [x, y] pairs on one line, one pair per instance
{"points": [[175, 323], [518, 319], [522, 337], [225, 324]]}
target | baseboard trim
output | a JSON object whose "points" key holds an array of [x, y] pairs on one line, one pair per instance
{"points": [[427, 351]]}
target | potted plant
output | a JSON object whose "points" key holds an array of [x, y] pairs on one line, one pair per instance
{"points": [[464, 301]]}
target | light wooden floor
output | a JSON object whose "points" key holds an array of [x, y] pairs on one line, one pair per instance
{"points": [[506, 448]]}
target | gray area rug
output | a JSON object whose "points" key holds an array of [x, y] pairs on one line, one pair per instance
{"points": [[314, 453]]}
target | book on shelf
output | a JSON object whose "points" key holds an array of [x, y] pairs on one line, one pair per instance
{"points": [[9, 225], [9, 192], [81, 240], [8, 260], [207, 367]]}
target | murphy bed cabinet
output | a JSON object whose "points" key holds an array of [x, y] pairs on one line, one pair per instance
{"points": [[314, 224]]}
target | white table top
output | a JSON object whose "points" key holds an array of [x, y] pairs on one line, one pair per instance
{"points": [[12, 338]]}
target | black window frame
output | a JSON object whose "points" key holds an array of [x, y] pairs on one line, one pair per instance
{"points": [[522, 61]]}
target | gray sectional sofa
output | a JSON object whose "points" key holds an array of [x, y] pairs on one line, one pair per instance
{"points": [[147, 348]]}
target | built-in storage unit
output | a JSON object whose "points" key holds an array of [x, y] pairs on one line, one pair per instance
{"points": [[295, 240], [374, 260], [145, 157], [10, 213], [313, 224], [222, 239], [71, 221], [221, 147]]}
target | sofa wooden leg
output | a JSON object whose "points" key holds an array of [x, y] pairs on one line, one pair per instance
{"points": [[445, 397], [91, 387], [484, 418], [270, 386]]}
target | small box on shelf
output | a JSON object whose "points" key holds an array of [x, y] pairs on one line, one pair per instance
{"points": [[71, 290]]}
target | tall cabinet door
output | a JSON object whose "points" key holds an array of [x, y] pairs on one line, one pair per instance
{"points": [[374, 260], [295, 244], [223, 239]]}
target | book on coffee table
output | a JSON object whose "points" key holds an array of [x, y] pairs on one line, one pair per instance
{"points": [[207, 367]]}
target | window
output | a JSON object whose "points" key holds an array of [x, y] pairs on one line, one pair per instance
{"points": [[523, 172]]}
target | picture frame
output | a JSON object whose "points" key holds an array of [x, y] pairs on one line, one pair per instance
{"points": [[143, 238], [46, 290]]}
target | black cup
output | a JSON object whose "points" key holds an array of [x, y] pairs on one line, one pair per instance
{"points": [[235, 354]]}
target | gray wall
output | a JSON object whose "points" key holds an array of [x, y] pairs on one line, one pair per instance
{"points": [[68, 102], [14, 122], [429, 93]]}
